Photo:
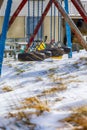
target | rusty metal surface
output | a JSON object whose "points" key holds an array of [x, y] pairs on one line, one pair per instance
{"points": [[80, 9]]}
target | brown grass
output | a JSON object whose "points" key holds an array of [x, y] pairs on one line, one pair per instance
{"points": [[34, 102], [79, 119], [83, 58], [52, 70], [55, 89], [39, 79], [75, 81], [26, 109], [23, 117], [7, 89], [55, 79], [18, 114], [31, 103], [76, 65]]}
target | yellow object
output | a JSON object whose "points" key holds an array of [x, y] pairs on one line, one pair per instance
{"points": [[57, 57], [41, 46]]}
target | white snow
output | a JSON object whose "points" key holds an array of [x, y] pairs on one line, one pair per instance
{"points": [[30, 79]]}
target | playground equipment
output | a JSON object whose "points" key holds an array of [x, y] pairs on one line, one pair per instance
{"points": [[79, 7], [68, 31], [38, 26], [4, 31]]}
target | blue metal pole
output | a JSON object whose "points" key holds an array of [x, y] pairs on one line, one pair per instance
{"points": [[28, 28], [54, 20], [42, 23], [38, 15], [59, 23], [4, 31], [68, 31], [51, 23], [33, 14]]}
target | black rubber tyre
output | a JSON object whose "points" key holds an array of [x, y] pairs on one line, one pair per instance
{"points": [[32, 56], [56, 51], [66, 50], [47, 53]]}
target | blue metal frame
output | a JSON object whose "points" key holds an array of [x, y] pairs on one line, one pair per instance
{"points": [[68, 31], [4, 31], [54, 21], [51, 22], [42, 23], [59, 24], [29, 19], [33, 14], [38, 16]]}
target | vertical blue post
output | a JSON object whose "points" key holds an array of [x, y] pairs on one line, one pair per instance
{"points": [[42, 23], [54, 20], [51, 22], [59, 24], [28, 24], [68, 31], [38, 17], [4, 31], [33, 14]]}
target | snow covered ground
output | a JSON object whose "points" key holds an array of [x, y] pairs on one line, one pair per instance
{"points": [[39, 95]]}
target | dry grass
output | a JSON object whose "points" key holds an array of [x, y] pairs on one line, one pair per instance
{"points": [[55, 89], [39, 79], [34, 102], [19, 71], [22, 117], [29, 106], [7, 89], [10, 65], [83, 58], [71, 79], [18, 114], [74, 81], [76, 65], [80, 61], [55, 79], [79, 119], [52, 70]]}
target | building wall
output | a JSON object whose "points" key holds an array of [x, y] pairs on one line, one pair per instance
{"points": [[24, 11], [1, 22], [17, 29], [47, 29]]}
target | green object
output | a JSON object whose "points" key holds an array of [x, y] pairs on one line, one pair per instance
{"points": [[21, 50]]}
